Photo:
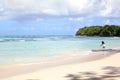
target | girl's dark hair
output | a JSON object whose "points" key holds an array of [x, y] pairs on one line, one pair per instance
{"points": [[103, 42]]}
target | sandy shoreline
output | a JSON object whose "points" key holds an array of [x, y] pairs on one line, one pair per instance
{"points": [[64, 69]]}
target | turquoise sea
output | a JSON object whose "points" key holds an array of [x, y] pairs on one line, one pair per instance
{"points": [[16, 49]]}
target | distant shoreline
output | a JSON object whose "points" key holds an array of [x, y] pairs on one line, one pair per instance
{"points": [[106, 30]]}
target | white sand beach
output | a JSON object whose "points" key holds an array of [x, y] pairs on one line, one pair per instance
{"points": [[97, 66]]}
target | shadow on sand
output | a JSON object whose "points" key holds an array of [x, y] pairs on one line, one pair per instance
{"points": [[109, 73], [107, 50]]}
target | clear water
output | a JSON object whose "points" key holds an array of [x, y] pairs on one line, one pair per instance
{"points": [[13, 49]]}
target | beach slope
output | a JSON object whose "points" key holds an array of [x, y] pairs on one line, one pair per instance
{"points": [[107, 68]]}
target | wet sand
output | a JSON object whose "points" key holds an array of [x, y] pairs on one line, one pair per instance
{"points": [[66, 67]]}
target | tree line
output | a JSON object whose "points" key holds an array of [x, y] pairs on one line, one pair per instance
{"points": [[106, 30]]}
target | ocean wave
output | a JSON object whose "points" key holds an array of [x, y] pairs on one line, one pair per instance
{"points": [[54, 38], [35, 39]]}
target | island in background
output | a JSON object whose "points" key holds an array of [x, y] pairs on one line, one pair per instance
{"points": [[106, 30]]}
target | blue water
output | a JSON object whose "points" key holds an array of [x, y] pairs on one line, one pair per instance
{"points": [[17, 48]]}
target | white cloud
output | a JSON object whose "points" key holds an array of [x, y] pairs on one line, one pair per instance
{"points": [[90, 20], [107, 22], [39, 19], [76, 19], [112, 22], [32, 9]]}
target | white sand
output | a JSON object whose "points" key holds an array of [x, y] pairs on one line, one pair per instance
{"points": [[93, 63]]}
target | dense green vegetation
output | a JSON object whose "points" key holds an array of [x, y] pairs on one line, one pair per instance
{"points": [[107, 30]]}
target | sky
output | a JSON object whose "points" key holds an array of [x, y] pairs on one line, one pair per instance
{"points": [[55, 17]]}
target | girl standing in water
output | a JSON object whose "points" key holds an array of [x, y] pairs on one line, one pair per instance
{"points": [[103, 44]]}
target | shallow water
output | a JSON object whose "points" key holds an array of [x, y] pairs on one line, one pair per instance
{"points": [[17, 49]]}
